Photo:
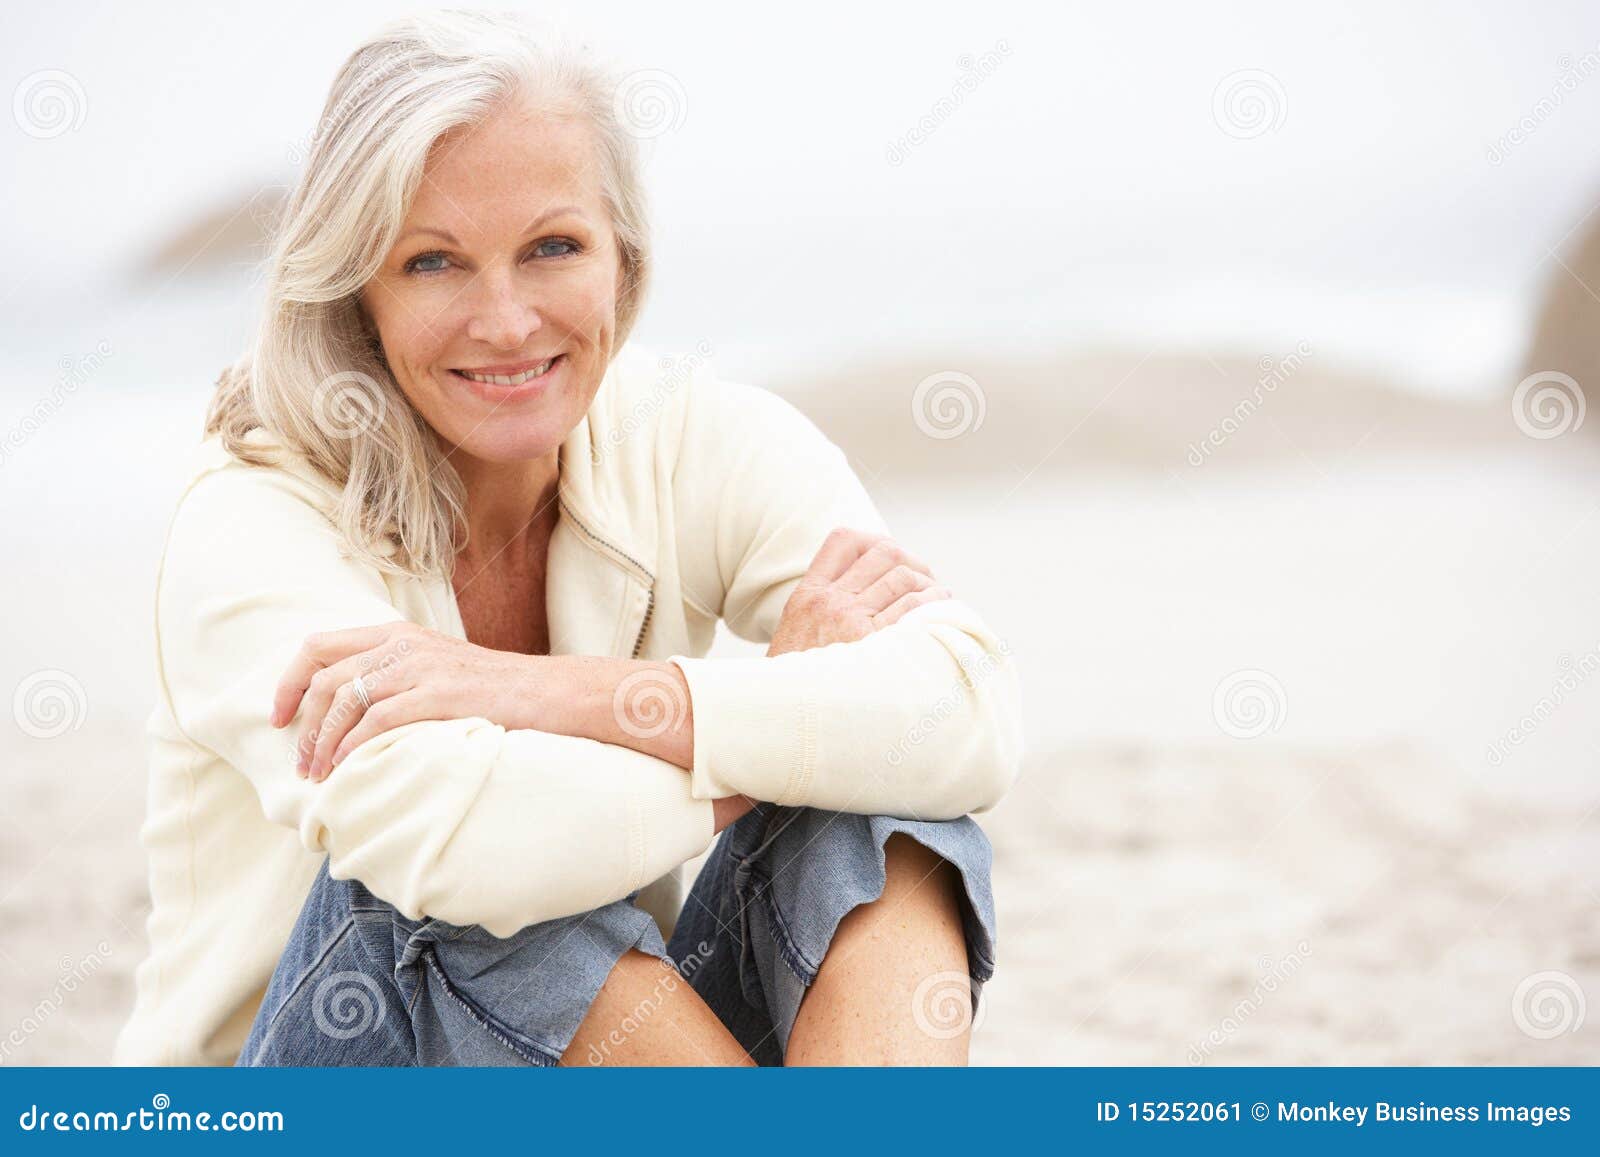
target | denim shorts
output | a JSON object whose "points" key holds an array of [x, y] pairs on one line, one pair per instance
{"points": [[360, 984]]}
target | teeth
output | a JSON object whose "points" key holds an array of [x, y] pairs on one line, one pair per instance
{"points": [[508, 379]]}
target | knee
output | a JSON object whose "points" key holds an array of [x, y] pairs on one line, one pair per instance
{"points": [[904, 855], [910, 867]]}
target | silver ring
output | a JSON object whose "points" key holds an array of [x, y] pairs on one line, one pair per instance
{"points": [[360, 684]]}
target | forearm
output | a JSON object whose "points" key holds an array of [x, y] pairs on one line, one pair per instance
{"points": [[473, 824], [627, 702], [921, 719], [636, 704]]}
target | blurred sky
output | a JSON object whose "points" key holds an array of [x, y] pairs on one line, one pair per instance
{"points": [[1084, 192]]}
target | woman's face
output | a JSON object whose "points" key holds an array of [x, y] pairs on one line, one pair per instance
{"points": [[497, 305]]}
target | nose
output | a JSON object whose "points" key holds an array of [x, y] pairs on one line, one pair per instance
{"points": [[500, 315]]}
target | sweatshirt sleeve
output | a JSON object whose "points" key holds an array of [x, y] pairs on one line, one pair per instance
{"points": [[920, 720], [459, 819]]}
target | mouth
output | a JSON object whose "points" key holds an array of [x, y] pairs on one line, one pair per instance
{"points": [[505, 382]]}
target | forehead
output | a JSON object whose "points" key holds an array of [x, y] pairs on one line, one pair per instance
{"points": [[495, 178]]}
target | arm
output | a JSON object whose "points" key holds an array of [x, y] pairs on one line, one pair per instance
{"points": [[461, 819], [919, 719]]}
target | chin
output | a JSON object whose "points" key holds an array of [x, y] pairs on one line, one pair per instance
{"points": [[511, 447], [520, 443]]}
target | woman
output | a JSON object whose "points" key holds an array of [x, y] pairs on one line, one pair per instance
{"points": [[431, 626]]}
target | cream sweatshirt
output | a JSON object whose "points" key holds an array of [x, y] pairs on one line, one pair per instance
{"points": [[684, 499]]}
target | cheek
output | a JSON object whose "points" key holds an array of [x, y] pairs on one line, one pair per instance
{"points": [[409, 342], [591, 307], [410, 347]]}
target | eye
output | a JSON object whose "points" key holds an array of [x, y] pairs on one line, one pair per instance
{"points": [[557, 247], [433, 262]]}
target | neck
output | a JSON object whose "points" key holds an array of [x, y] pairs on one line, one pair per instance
{"points": [[507, 502]]}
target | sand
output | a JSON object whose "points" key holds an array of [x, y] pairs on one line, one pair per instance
{"points": [[1361, 906]]}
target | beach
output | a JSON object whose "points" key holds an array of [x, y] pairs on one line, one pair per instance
{"points": [[1311, 727]]}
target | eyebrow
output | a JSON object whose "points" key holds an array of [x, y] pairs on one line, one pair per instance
{"points": [[448, 237]]}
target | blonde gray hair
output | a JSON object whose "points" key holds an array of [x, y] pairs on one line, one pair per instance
{"points": [[314, 378]]}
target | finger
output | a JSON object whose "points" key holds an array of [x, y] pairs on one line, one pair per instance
{"points": [[345, 713], [315, 703], [403, 708], [901, 580], [841, 548], [879, 560], [907, 603], [381, 682], [317, 652]]}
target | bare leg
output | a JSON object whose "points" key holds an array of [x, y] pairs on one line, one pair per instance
{"points": [[647, 1014], [861, 1009]]}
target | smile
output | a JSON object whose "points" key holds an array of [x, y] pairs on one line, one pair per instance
{"points": [[510, 383], [510, 376]]}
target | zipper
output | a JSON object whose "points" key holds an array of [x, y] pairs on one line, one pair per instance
{"points": [[607, 546], [649, 609], [643, 572]]}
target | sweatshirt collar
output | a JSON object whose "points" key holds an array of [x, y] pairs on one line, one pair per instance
{"points": [[599, 475]]}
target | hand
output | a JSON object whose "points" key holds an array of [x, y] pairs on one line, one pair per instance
{"points": [[858, 583], [410, 673]]}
